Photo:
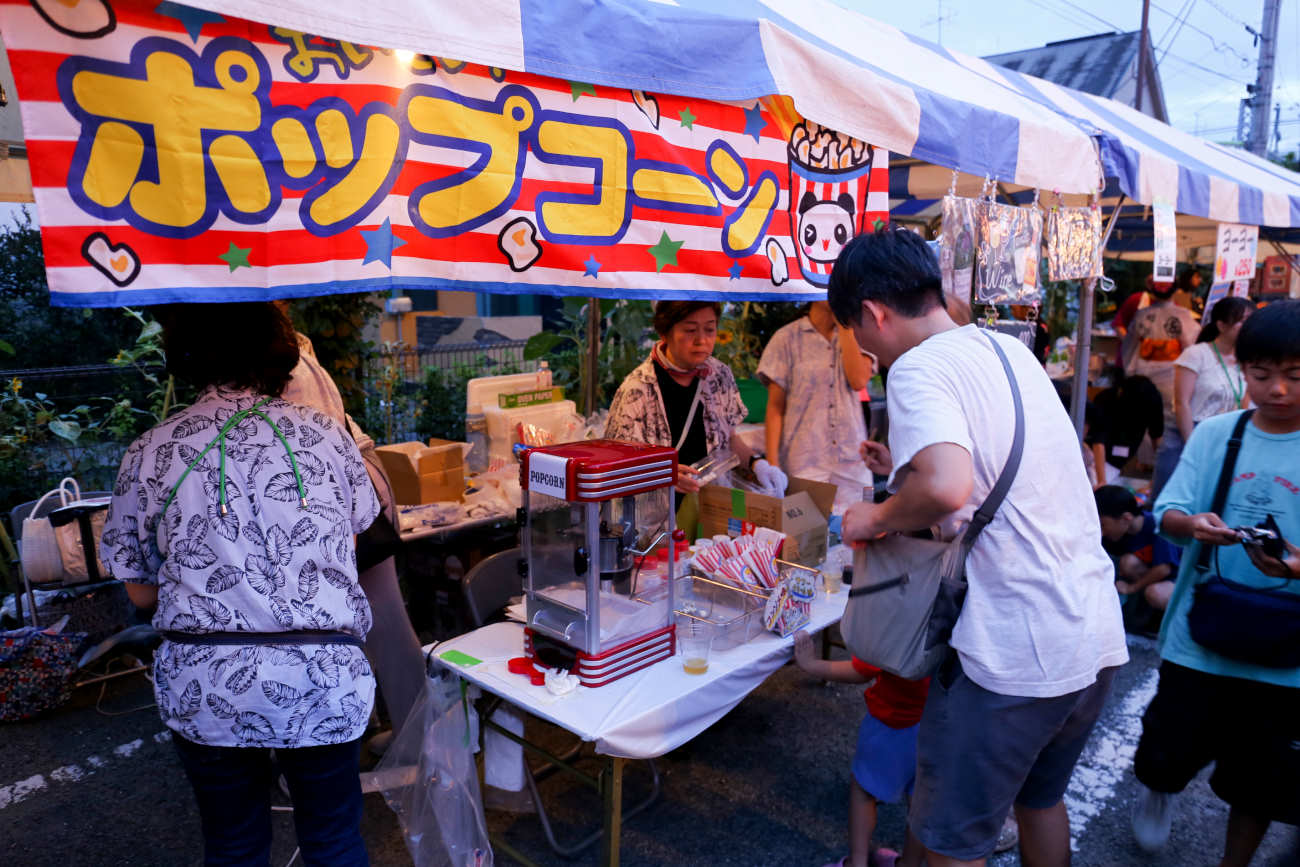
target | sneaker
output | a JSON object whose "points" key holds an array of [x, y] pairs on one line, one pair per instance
{"points": [[1152, 817], [883, 858], [1009, 836]]}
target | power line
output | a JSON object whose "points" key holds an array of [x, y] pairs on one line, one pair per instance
{"points": [[1226, 14], [1176, 27], [1218, 46], [1191, 63], [1060, 14], [1091, 15]]}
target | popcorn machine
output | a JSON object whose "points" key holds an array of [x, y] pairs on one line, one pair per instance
{"points": [[590, 512]]}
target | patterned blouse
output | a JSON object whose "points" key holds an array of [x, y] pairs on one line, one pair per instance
{"points": [[265, 565], [637, 413]]}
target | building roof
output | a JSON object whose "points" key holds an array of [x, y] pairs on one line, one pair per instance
{"points": [[1104, 65]]}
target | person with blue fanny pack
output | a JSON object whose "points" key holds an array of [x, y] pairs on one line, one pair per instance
{"points": [[1229, 690], [235, 520]]}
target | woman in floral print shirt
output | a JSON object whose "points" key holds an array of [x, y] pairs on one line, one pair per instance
{"points": [[242, 536], [653, 405]]}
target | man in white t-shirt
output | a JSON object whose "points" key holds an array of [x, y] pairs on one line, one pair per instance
{"points": [[1040, 633]]}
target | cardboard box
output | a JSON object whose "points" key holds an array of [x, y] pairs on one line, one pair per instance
{"points": [[424, 474], [801, 515]]}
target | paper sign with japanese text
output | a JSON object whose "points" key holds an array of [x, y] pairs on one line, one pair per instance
{"points": [[1165, 261], [1234, 257], [184, 155]]}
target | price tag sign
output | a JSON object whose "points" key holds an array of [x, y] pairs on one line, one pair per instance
{"points": [[1166, 244], [1234, 257]]}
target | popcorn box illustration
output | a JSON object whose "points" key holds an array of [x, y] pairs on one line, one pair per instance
{"points": [[830, 178]]}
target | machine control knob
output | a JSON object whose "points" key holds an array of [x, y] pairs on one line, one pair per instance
{"points": [[580, 561]]}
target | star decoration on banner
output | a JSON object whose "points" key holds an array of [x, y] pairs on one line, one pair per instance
{"points": [[592, 266], [755, 123], [735, 269], [665, 252], [578, 88], [192, 19], [688, 119], [380, 244], [236, 257]]}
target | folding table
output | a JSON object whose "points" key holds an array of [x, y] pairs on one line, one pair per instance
{"points": [[642, 716]]}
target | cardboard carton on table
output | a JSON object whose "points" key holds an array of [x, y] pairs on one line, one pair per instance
{"points": [[801, 515], [425, 474]]}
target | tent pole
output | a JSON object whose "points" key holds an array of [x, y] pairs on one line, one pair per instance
{"points": [[1083, 337], [590, 387]]}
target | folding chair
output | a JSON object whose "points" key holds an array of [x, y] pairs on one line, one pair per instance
{"points": [[128, 638]]}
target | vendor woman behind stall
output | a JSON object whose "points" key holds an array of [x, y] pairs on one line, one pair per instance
{"points": [[682, 396]]}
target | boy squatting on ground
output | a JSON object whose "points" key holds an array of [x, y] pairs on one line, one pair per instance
{"points": [[1242, 716], [1146, 563]]}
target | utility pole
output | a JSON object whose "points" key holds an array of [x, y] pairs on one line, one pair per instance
{"points": [[1142, 55], [1262, 93]]}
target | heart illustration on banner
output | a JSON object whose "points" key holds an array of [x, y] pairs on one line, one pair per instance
{"points": [[82, 19], [117, 262]]}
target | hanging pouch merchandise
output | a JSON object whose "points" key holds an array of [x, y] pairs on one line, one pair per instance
{"points": [[1073, 239], [1255, 625], [907, 592], [1006, 261], [957, 248]]}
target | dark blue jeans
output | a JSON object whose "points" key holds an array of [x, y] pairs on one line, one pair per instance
{"points": [[233, 788]]}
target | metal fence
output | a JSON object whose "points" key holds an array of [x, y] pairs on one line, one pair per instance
{"points": [[403, 404], [480, 359], [84, 383]]}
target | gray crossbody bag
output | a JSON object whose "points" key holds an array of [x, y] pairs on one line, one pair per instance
{"points": [[908, 592]]}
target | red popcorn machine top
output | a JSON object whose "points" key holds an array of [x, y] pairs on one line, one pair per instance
{"points": [[592, 511]]}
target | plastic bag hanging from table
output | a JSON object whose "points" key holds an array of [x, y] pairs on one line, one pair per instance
{"points": [[429, 778]]}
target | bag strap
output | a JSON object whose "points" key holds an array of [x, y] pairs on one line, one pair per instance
{"points": [[71, 484], [690, 416], [984, 514], [1225, 480]]}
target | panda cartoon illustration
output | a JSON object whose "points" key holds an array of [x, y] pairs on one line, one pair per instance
{"points": [[824, 227]]}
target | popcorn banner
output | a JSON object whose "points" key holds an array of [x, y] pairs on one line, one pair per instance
{"points": [[182, 155]]}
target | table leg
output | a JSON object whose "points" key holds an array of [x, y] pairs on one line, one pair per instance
{"points": [[611, 787]]}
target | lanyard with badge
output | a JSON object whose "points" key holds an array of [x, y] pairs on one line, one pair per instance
{"points": [[1237, 388]]}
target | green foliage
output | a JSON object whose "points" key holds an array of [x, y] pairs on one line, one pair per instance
{"points": [[41, 442], [440, 407], [625, 335], [746, 328], [164, 394], [335, 324], [34, 334]]}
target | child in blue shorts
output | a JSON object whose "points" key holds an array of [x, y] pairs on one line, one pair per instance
{"points": [[884, 766]]}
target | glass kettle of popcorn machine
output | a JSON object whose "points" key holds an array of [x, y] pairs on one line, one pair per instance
{"points": [[591, 511]]}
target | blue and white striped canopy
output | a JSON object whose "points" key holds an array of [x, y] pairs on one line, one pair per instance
{"points": [[843, 70]]}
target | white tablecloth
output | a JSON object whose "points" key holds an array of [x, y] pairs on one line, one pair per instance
{"points": [[647, 713]]}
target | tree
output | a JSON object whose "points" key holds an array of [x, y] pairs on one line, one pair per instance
{"points": [[35, 334]]}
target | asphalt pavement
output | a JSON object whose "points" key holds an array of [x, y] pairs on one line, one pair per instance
{"points": [[97, 783]]}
